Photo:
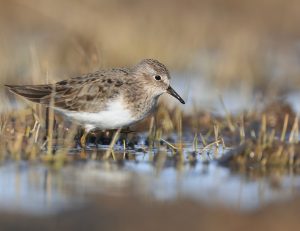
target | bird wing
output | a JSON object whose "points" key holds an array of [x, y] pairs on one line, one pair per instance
{"points": [[33, 93], [76, 94]]}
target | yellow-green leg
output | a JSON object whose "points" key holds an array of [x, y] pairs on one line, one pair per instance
{"points": [[83, 139]]}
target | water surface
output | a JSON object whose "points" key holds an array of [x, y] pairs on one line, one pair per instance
{"points": [[39, 189]]}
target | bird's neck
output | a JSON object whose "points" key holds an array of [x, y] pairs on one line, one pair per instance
{"points": [[145, 105]]}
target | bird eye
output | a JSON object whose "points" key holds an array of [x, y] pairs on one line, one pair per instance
{"points": [[157, 77]]}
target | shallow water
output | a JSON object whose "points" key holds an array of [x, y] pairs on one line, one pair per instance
{"points": [[39, 189]]}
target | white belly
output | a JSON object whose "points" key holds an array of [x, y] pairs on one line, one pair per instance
{"points": [[114, 116]]}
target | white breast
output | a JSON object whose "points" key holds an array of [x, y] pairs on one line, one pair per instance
{"points": [[114, 116]]}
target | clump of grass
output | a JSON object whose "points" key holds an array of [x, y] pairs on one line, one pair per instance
{"points": [[272, 146]]}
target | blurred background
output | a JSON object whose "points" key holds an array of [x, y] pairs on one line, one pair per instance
{"points": [[223, 55], [246, 46]]}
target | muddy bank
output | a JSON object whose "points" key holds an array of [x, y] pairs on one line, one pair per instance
{"points": [[119, 213]]}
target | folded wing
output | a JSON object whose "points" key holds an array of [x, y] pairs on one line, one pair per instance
{"points": [[77, 96]]}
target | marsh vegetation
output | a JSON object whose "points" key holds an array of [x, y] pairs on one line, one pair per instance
{"points": [[234, 148]]}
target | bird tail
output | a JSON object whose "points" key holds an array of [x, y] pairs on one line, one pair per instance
{"points": [[34, 93]]}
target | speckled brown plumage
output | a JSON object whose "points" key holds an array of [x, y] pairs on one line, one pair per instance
{"points": [[138, 87]]}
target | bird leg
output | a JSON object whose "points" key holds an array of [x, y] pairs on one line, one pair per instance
{"points": [[97, 138], [83, 139]]}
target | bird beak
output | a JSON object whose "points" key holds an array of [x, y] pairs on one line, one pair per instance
{"points": [[172, 92]]}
